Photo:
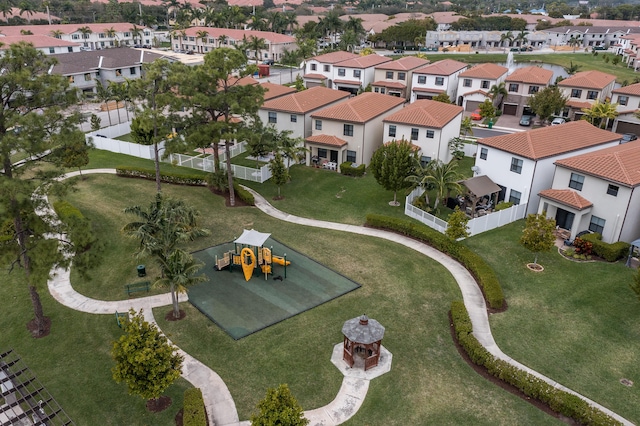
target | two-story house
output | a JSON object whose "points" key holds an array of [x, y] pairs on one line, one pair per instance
{"points": [[293, 111], [427, 124], [584, 88], [394, 78], [627, 100], [522, 164], [474, 84], [597, 191], [437, 78], [318, 71], [351, 130], [46, 44], [354, 75], [272, 90], [521, 85]]}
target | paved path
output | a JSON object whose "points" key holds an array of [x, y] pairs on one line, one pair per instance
{"points": [[218, 401]]}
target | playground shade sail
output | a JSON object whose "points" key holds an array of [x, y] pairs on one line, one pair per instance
{"points": [[243, 307]]}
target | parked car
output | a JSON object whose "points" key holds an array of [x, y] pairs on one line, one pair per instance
{"points": [[398, 51], [526, 120], [475, 115], [268, 62], [558, 120], [628, 137]]}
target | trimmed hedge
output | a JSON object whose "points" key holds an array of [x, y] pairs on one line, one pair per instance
{"points": [[66, 211], [243, 194], [167, 177], [482, 272], [609, 252], [559, 401], [347, 169], [193, 413]]}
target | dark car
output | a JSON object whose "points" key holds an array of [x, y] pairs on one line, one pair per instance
{"points": [[628, 137], [398, 51], [526, 120], [268, 62]]}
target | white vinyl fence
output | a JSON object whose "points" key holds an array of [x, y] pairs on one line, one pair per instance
{"points": [[477, 225], [105, 139]]}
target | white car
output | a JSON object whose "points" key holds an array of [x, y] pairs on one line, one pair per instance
{"points": [[558, 120]]}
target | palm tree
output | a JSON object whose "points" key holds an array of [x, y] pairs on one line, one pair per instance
{"points": [[508, 36], [202, 35], [6, 9], [572, 68], [180, 271], [574, 42], [497, 92], [600, 113], [444, 179], [111, 33], [135, 33], [421, 177], [331, 25], [236, 17], [466, 127], [45, 4], [56, 33], [222, 40], [257, 45], [521, 38], [104, 95], [28, 8], [290, 21]]}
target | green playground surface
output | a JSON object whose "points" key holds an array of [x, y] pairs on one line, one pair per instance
{"points": [[243, 307]]}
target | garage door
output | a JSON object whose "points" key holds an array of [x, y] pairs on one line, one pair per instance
{"points": [[624, 127], [472, 105], [510, 109]]}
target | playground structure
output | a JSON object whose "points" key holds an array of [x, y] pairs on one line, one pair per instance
{"points": [[249, 254]]}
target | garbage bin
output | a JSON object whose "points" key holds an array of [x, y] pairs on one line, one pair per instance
{"points": [[142, 272], [491, 124]]}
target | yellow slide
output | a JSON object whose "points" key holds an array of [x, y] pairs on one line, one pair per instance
{"points": [[248, 259], [280, 260]]}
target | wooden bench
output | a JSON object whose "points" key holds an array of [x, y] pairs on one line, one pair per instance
{"points": [[137, 287], [121, 317]]}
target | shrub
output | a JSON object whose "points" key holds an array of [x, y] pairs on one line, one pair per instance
{"points": [[482, 272], [243, 194], [582, 246], [347, 169], [66, 211], [167, 177], [193, 413], [559, 401], [503, 205], [609, 252]]}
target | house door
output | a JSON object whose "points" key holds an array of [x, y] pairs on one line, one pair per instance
{"points": [[334, 156], [564, 219]]}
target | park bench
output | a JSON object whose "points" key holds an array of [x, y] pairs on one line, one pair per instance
{"points": [[137, 287], [121, 317]]}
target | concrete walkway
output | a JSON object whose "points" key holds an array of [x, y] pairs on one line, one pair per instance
{"points": [[218, 401]]}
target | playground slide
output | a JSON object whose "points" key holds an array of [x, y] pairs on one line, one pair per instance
{"points": [[280, 260], [248, 259]]}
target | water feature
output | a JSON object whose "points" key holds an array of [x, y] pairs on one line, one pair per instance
{"points": [[510, 62]]}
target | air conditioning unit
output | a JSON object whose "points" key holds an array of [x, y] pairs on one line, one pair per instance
{"points": [[475, 170]]}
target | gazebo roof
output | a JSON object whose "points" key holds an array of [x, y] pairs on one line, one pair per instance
{"points": [[481, 185], [363, 330], [252, 238]]}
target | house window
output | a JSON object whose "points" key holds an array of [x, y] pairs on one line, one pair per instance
{"points": [[351, 156], [314, 67], [514, 197], [592, 94], [70, 49], [402, 76], [439, 81], [75, 37], [192, 39], [327, 68], [466, 82], [322, 153], [623, 100], [273, 117], [52, 50], [377, 90], [414, 134], [430, 134], [424, 160], [596, 224], [484, 84], [294, 118], [342, 72], [101, 35], [132, 70], [613, 190], [118, 72], [576, 93], [318, 124], [392, 131], [422, 79], [382, 90], [483, 153], [576, 181], [389, 75], [87, 77], [513, 87], [127, 34], [533, 89], [357, 73], [516, 165], [347, 130]]}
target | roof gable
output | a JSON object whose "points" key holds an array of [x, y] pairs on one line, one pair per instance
{"points": [[361, 109], [489, 71], [406, 63], [531, 75], [444, 67], [426, 113], [588, 80], [306, 101], [364, 61], [273, 90], [632, 89], [334, 57]]}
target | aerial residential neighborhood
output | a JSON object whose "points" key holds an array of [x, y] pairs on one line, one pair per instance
{"points": [[273, 212]]}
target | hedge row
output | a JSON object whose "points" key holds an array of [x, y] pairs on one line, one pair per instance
{"points": [[243, 194], [167, 177], [482, 272], [609, 252], [66, 211], [193, 413], [559, 401], [347, 169]]}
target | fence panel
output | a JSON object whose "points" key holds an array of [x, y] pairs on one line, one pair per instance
{"points": [[470, 149]]}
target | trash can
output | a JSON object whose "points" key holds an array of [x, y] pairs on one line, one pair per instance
{"points": [[142, 272], [491, 124]]}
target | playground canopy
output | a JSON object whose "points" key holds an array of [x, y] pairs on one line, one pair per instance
{"points": [[252, 238]]}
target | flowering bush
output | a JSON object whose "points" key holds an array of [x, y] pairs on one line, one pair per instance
{"points": [[582, 246]]}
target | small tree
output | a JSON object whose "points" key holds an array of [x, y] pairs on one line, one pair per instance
{"points": [[279, 172], [538, 235], [145, 360], [95, 122], [299, 83], [547, 102], [391, 164], [279, 407], [74, 151], [456, 147], [487, 110], [442, 97], [457, 225]]}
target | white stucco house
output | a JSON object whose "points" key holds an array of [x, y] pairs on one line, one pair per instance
{"points": [[430, 125], [521, 85], [474, 84], [522, 164], [584, 88], [394, 77], [627, 100], [318, 71], [354, 75], [437, 78], [598, 191]]}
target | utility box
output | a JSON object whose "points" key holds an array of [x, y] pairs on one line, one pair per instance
{"points": [[263, 70]]}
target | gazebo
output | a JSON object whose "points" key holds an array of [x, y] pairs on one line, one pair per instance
{"points": [[362, 341], [480, 187]]}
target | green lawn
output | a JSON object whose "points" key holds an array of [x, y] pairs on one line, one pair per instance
{"points": [[242, 160]]}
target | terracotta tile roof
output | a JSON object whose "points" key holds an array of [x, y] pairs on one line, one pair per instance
{"points": [[234, 34], [390, 84], [276, 90], [334, 57], [482, 92], [568, 197], [326, 140], [361, 109], [406, 63], [620, 163], [579, 104], [553, 140], [444, 67], [315, 76], [427, 90], [426, 113], [306, 101], [588, 80], [68, 28], [632, 89], [488, 71], [364, 61], [38, 41], [15, 11], [531, 75]]}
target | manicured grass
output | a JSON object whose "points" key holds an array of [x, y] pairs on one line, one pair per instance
{"points": [[574, 322], [242, 160], [470, 58], [126, 138]]}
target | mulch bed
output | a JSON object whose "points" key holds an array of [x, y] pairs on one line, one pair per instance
{"points": [[33, 328], [159, 404], [227, 202], [169, 316]]}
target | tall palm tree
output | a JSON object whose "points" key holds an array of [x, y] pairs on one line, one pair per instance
{"points": [[222, 40], [236, 17], [600, 114], [508, 36], [45, 4], [466, 127], [444, 178], [56, 33], [202, 35], [135, 33], [331, 25], [104, 95], [257, 45], [28, 8], [180, 271], [497, 92], [422, 177], [290, 21], [6, 9], [574, 42], [521, 38]]}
